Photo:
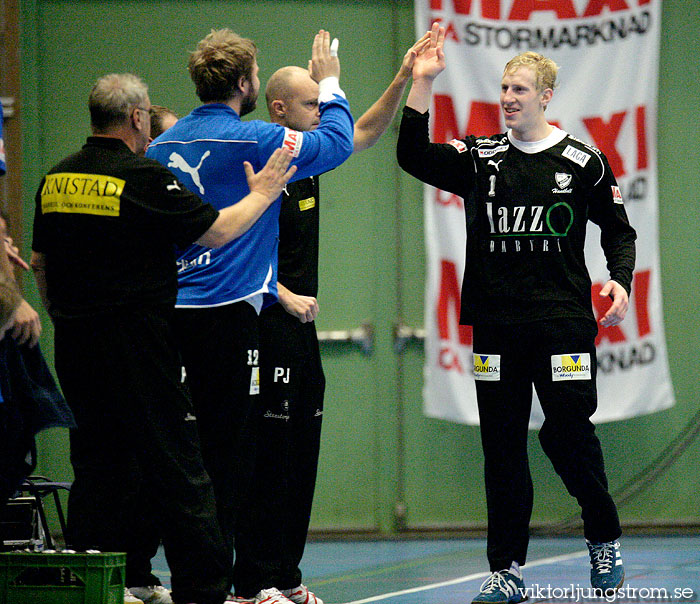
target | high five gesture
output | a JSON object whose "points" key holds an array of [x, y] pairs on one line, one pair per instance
{"points": [[428, 64]]}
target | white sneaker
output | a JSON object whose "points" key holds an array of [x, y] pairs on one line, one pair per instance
{"points": [[301, 595], [130, 598], [264, 596], [152, 594]]}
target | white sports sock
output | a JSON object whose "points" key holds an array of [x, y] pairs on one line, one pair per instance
{"points": [[515, 569]]}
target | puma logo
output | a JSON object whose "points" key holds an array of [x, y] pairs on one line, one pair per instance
{"points": [[173, 186], [495, 164], [177, 161]]}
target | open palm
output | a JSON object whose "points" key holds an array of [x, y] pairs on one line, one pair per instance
{"points": [[430, 62]]}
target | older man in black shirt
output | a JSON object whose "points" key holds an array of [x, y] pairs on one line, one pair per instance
{"points": [[106, 222]]}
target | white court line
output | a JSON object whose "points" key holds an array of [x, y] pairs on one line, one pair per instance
{"points": [[483, 575]]}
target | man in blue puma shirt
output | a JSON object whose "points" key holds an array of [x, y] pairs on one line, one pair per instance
{"points": [[221, 291]]}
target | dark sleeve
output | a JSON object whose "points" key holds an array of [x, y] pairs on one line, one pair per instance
{"points": [[440, 165], [175, 210], [617, 236], [194, 224]]}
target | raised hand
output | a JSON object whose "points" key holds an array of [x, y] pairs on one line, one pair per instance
{"points": [[430, 61], [409, 58], [323, 64]]}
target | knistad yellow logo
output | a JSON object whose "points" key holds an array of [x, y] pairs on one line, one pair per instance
{"points": [[71, 193]]}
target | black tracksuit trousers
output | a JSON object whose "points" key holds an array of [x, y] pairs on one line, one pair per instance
{"points": [[135, 447], [275, 523], [567, 435], [219, 347]]}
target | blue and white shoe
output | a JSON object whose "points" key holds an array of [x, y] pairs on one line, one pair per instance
{"points": [[607, 570], [502, 587]]}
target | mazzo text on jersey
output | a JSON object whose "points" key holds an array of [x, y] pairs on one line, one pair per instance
{"points": [[528, 228]]}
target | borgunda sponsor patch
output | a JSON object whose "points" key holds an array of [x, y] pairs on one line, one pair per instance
{"points": [[487, 367], [571, 367]]}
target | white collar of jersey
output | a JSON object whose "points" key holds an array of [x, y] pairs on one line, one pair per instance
{"points": [[555, 136]]}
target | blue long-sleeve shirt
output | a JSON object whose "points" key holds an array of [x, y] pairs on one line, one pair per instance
{"points": [[206, 151]]}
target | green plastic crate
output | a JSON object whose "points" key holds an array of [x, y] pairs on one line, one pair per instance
{"points": [[60, 578]]}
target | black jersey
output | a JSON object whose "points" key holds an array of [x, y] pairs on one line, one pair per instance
{"points": [[527, 208], [299, 236], [107, 221]]}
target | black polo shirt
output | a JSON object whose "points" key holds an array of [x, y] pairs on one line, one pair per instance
{"points": [[299, 237], [107, 221]]}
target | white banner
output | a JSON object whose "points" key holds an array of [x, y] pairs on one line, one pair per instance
{"points": [[607, 51]]}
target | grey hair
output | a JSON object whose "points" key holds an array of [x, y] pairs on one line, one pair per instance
{"points": [[113, 97]]}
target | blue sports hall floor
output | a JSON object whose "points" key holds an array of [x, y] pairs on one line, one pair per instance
{"points": [[450, 571]]}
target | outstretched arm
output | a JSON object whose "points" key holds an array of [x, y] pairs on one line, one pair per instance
{"points": [[426, 67], [265, 187], [330, 144], [377, 118], [438, 164]]}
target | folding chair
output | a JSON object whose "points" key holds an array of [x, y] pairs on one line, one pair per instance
{"points": [[30, 497]]}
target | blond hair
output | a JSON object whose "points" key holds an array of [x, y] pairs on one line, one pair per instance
{"points": [[545, 69], [218, 62]]}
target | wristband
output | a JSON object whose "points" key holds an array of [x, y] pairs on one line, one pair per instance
{"points": [[327, 88]]}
